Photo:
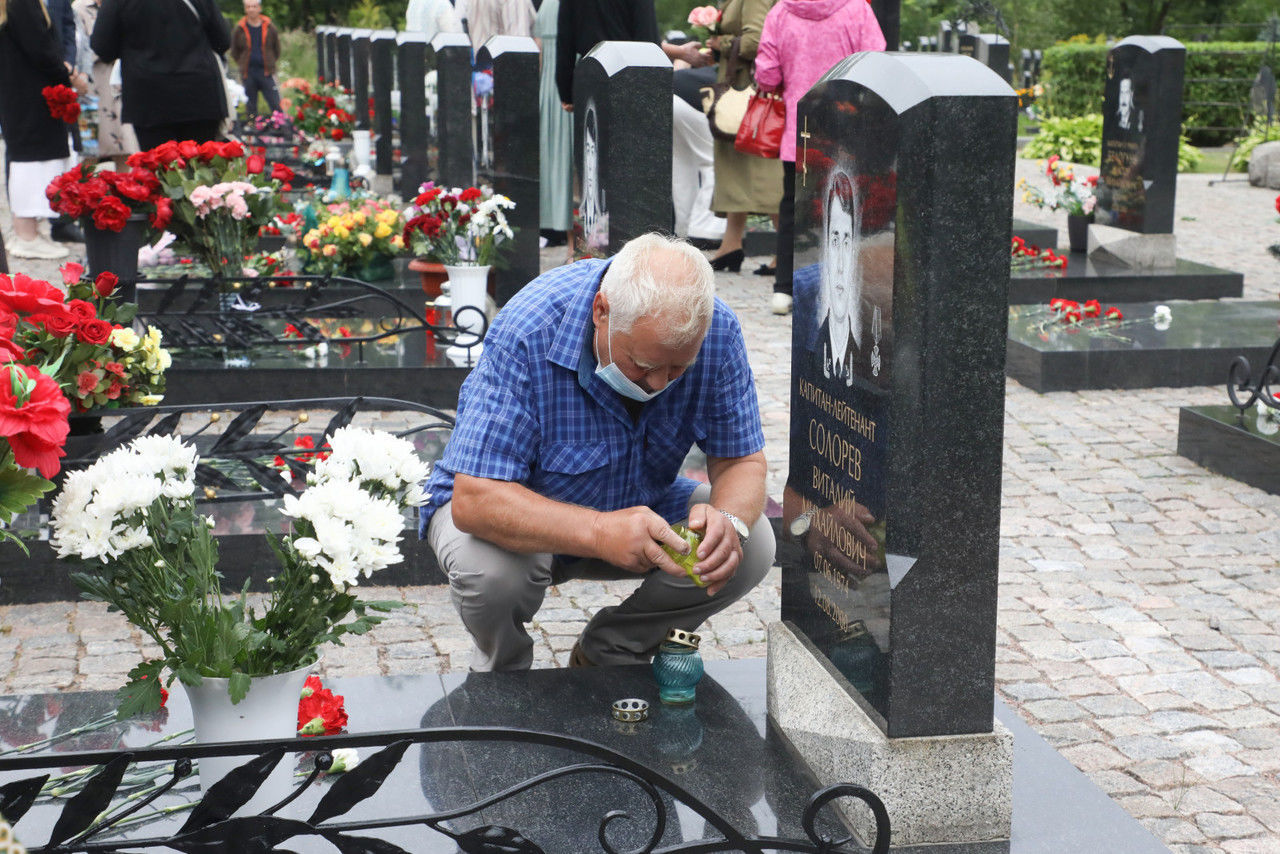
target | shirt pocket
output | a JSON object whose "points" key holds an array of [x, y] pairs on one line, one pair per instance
{"points": [[574, 472]]}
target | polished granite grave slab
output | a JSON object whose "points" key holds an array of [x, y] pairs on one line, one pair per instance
{"points": [[1241, 445], [1197, 348], [1085, 280], [1044, 236], [721, 750]]}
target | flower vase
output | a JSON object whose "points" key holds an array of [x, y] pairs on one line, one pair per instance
{"points": [[1078, 231], [268, 711], [377, 268], [116, 252], [432, 274], [469, 291]]}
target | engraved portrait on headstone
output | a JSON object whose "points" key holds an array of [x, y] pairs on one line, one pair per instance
{"points": [[1126, 110], [595, 218]]}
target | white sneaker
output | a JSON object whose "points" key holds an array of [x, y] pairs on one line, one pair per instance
{"points": [[37, 248], [781, 303]]}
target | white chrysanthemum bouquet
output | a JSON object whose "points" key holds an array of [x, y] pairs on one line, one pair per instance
{"points": [[132, 518]]}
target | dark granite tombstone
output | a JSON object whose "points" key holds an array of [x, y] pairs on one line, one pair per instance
{"points": [[993, 52], [1141, 121], [1024, 69], [621, 105], [450, 55], [360, 76], [1243, 444], [381, 49], [415, 167], [331, 54], [897, 383], [320, 53], [967, 44], [945, 37], [889, 16], [514, 172], [344, 57]]}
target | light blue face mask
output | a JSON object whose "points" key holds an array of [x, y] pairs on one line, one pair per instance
{"points": [[620, 382]]}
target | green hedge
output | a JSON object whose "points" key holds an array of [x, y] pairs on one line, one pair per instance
{"points": [[1074, 78]]}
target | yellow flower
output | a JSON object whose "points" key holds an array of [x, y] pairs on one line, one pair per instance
{"points": [[397, 242], [387, 216], [365, 238], [124, 338], [330, 250], [359, 217], [383, 230], [341, 232]]}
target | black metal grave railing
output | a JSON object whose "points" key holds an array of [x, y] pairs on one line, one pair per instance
{"points": [[88, 820], [1245, 390]]}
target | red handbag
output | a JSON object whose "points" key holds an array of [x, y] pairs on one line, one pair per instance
{"points": [[761, 130]]}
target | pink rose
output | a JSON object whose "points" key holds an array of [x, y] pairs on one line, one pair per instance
{"points": [[705, 16]]}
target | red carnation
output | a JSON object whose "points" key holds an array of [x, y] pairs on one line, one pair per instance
{"points": [[34, 421], [25, 295], [106, 283], [1092, 308], [111, 214], [469, 194], [337, 133], [86, 382], [320, 711]]}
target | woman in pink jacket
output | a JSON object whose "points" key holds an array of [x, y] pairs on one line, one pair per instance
{"points": [[800, 41]]}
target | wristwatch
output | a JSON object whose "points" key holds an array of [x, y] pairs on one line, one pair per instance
{"points": [[739, 526]]}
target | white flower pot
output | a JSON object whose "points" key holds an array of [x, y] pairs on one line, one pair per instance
{"points": [[469, 290], [268, 711]]}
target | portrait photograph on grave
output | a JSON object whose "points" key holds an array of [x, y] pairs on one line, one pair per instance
{"points": [[842, 348], [595, 217]]}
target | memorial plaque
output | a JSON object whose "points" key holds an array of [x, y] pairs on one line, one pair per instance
{"points": [[360, 76], [381, 50], [1141, 121], [344, 57], [621, 105], [897, 395], [993, 52], [415, 148], [967, 44], [449, 54], [514, 168]]}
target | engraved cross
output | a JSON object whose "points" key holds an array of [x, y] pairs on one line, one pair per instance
{"points": [[804, 160]]}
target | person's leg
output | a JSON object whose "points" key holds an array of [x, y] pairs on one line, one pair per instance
{"points": [[735, 227], [495, 591], [270, 93], [786, 241], [252, 85], [629, 633]]}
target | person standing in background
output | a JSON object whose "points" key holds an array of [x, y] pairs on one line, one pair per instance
{"points": [[255, 48], [801, 40], [36, 143], [169, 54], [116, 140], [555, 138], [430, 17]]}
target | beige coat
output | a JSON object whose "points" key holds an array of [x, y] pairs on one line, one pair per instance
{"points": [[744, 183]]}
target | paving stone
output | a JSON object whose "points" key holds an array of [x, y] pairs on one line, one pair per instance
{"points": [[1218, 826]]}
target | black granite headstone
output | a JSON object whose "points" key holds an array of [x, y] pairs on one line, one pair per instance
{"points": [[415, 168], [381, 49], [945, 37], [889, 15], [344, 57], [967, 44], [1024, 69], [993, 52], [514, 172], [360, 76], [450, 55], [1141, 122], [320, 51], [621, 111], [331, 54], [897, 393]]}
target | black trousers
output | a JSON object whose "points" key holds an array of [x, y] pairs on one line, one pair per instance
{"points": [[204, 130], [786, 230], [259, 81]]}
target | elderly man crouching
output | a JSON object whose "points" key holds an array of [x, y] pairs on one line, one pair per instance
{"points": [[596, 380]]}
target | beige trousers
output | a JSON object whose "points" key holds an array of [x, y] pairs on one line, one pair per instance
{"points": [[497, 591]]}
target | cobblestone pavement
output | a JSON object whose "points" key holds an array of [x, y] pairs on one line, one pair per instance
{"points": [[1139, 596]]}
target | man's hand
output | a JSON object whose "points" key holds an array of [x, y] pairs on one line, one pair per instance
{"points": [[566, 106], [632, 538], [80, 82], [690, 52], [720, 553]]}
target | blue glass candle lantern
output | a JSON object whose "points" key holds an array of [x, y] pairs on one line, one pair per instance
{"points": [[678, 667]]}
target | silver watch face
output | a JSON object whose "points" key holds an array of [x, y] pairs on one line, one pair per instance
{"points": [[738, 525]]}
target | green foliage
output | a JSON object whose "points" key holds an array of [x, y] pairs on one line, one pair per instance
{"points": [[307, 14], [1079, 140], [1075, 140], [1214, 99], [674, 14], [297, 55], [1258, 134], [368, 14]]}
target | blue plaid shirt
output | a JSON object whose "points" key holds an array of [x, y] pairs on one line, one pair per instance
{"points": [[533, 411]]}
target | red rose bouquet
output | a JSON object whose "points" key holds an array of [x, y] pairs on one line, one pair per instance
{"points": [[457, 226], [64, 103], [323, 111], [219, 197], [110, 198]]}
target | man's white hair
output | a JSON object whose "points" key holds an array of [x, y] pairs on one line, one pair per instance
{"points": [[664, 277]]}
